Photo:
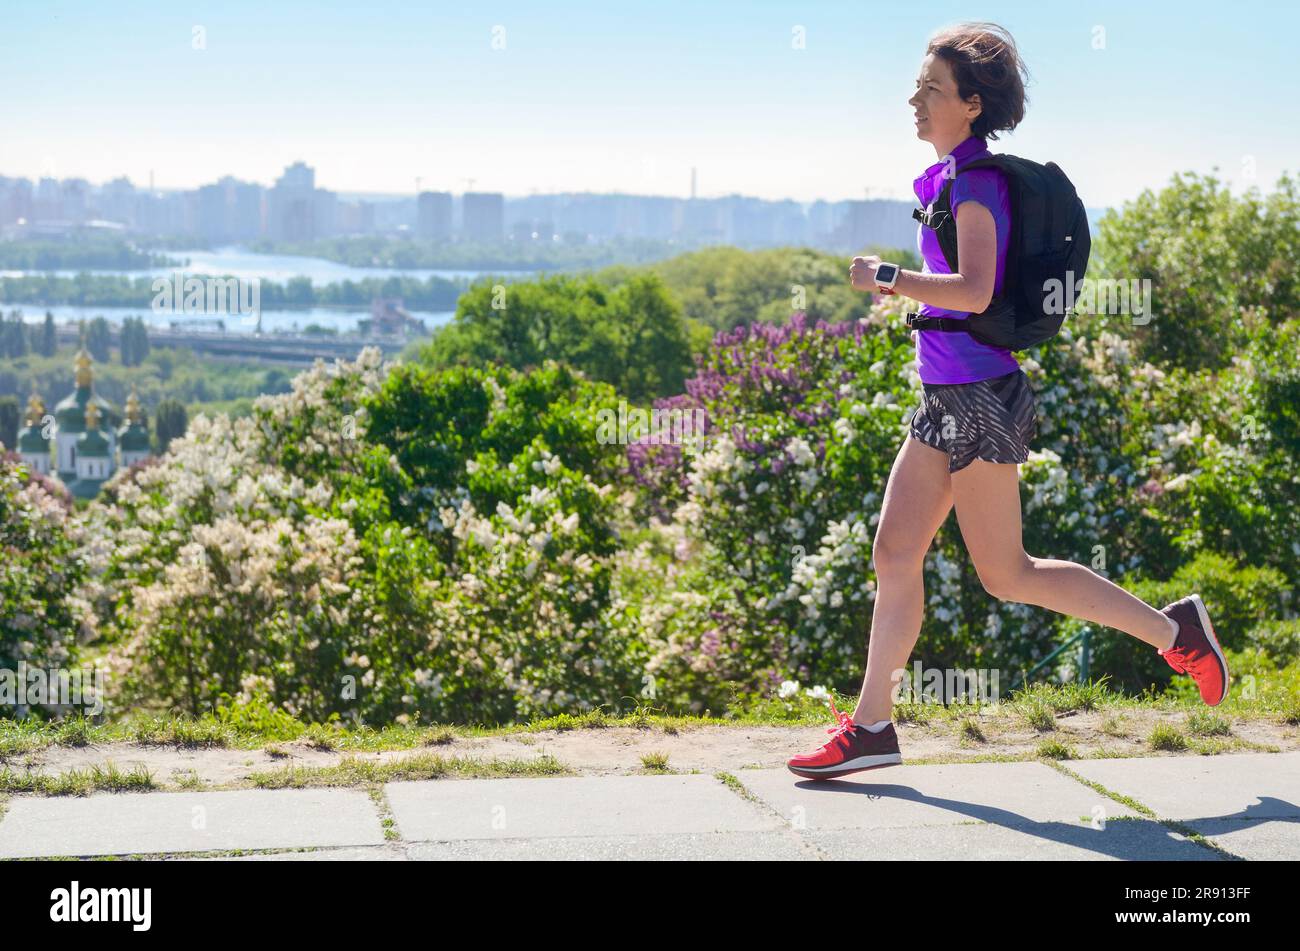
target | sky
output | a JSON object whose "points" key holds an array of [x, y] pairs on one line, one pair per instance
{"points": [[800, 100]]}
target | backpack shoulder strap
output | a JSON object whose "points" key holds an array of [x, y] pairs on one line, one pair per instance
{"points": [[940, 218]]}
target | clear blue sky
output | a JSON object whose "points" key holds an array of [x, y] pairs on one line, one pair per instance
{"points": [[627, 97]]}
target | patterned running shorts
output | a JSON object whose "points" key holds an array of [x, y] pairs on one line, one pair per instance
{"points": [[992, 419]]}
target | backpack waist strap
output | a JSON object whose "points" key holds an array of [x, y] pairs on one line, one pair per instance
{"points": [[949, 324]]}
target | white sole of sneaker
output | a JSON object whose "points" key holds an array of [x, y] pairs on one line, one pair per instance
{"points": [[1214, 642], [850, 766]]}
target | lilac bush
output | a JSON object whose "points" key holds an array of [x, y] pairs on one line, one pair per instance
{"points": [[775, 512]]}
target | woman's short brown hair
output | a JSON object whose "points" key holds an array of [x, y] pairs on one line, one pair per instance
{"points": [[984, 60]]}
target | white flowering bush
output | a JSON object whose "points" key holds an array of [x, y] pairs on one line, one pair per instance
{"points": [[504, 474], [1141, 469], [220, 573], [779, 504], [377, 544], [392, 542], [41, 618]]}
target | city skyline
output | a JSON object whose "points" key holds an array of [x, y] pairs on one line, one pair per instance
{"points": [[782, 101], [296, 209]]}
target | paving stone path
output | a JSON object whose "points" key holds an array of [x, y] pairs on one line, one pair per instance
{"points": [[1205, 808]]}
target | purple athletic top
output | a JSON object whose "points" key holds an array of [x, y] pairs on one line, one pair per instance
{"points": [[942, 356]]}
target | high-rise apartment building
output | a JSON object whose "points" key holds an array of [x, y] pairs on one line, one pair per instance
{"points": [[433, 215], [484, 216]]}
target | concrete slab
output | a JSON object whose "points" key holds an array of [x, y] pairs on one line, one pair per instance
{"points": [[127, 823], [443, 810], [373, 853], [1246, 803], [713, 846], [1120, 840], [1004, 794], [1234, 786], [1272, 840]]}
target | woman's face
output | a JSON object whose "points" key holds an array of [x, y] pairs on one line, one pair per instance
{"points": [[942, 116]]}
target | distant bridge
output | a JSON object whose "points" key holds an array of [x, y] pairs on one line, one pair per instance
{"points": [[289, 349]]}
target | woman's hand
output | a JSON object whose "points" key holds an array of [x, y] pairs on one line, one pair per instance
{"points": [[862, 272]]}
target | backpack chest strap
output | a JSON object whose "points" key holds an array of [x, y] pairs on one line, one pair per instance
{"points": [[931, 219]]}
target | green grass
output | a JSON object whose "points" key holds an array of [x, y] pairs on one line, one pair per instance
{"points": [[354, 772], [655, 763], [254, 727], [595, 720], [735, 785], [1037, 715], [1204, 723], [77, 782], [1055, 749], [1066, 698], [1113, 725], [184, 733], [189, 780], [921, 714], [1167, 738]]}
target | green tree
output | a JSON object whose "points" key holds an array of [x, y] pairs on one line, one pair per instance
{"points": [[724, 287], [10, 416], [135, 341], [633, 336], [170, 421], [47, 342], [15, 337], [99, 339], [642, 345], [1218, 266]]}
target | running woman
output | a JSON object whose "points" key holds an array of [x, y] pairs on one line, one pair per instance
{"points": [[975, 421]]}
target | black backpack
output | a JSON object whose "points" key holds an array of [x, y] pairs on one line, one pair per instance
{"points": [[1047, 255]]}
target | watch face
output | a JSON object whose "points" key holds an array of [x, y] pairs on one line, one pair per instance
{"points": [[886, 273]]}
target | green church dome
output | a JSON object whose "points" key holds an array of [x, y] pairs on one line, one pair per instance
{"points": [[92, 443], [31, 440], [134, 436], [30, 437], [70, 413]]}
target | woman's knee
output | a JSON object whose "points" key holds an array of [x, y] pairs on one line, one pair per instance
{"points": [[1005, 578], [897, 553]]}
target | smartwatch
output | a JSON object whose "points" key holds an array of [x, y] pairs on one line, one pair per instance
{"points": [[887, 276]]}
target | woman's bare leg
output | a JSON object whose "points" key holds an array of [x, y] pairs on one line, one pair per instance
{"points": [[987, 498], [917, 499]]}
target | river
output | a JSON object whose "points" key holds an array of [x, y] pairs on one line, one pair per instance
{"points": [[239, 262], [236, 261]]}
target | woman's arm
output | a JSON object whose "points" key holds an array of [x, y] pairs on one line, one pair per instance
{"points": [[970, 289]]}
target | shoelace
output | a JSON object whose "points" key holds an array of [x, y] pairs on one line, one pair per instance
{"points": [[1178, 657], [844, 722]]}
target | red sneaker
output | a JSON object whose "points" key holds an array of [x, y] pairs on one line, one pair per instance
{"points": [[1196, 650], [851, 749]]}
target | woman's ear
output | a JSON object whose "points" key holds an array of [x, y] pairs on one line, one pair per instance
{"points": [[974, 106]]}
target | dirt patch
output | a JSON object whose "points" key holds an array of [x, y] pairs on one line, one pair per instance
{"points": [[614, 750]]}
